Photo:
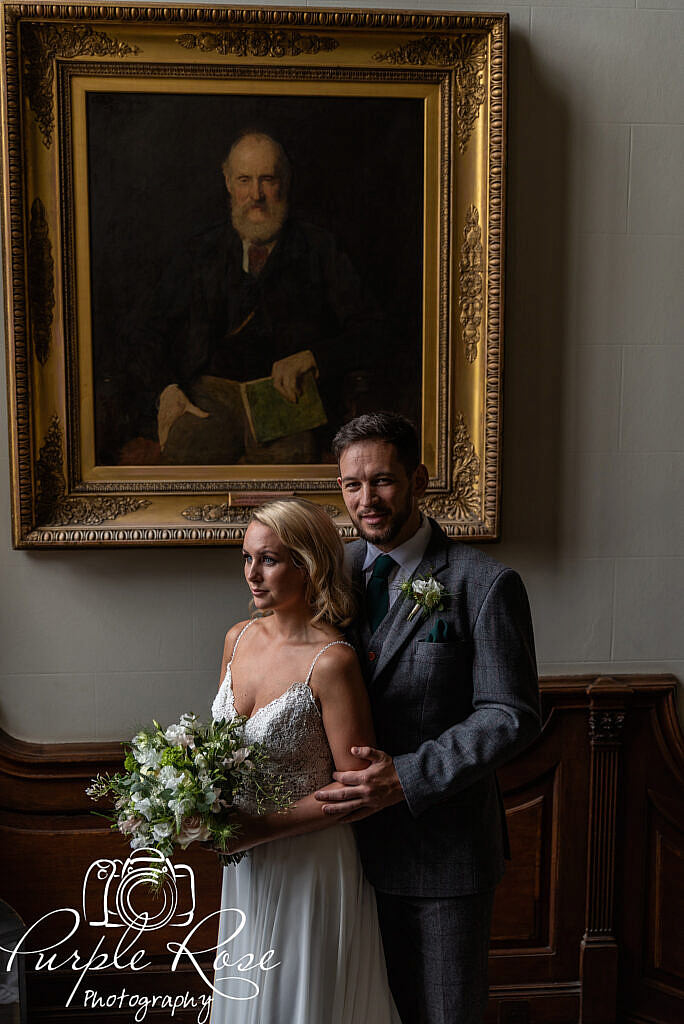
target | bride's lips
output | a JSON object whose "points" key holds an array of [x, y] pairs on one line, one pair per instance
{"points": [[258, 593]]}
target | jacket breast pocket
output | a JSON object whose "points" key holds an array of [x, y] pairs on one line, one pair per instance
{"points": [[444, 673], [449, 649]]}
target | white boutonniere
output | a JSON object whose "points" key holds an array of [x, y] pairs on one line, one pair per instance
{"points": [[426, 593]]}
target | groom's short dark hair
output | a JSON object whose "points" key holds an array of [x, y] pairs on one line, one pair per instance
{"points": [[381, 426]]}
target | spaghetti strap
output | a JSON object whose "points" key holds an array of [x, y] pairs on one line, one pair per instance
{"points": [[238, 638], [313, 663]]}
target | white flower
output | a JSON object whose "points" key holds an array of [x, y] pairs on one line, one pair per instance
{"points": [[139, 841], [162, 830], [170, 778], [188, 720], [238, 757], [192, 831], [149, 761], [430, 589], [177, 736], [143, 744], [425, 592], [143, 805], [180, 806]]}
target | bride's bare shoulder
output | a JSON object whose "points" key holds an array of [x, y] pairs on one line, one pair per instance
{"points": [[232, 635], [337, 661]]}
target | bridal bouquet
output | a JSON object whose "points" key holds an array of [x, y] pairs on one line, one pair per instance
{"points": [[180, 783]]}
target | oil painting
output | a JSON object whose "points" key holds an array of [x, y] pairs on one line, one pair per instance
{"points": [[231, 233], [228, 231]]}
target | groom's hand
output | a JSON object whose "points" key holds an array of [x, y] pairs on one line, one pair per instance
{"points": [[365, 791]]}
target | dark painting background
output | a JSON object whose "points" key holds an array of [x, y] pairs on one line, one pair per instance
{"points": [[155, 180]]}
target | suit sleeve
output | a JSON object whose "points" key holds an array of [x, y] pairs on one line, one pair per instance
{"points": [[505, 716]]}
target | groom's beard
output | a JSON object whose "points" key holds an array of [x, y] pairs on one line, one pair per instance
{"points": [[386, 533]]}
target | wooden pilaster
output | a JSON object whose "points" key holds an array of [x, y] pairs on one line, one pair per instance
{"points": [[599, 949]]}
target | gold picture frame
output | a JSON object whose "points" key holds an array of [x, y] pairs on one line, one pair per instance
{"points": [[399, 122]]}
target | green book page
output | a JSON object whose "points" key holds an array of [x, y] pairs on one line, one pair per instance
{"points": [[272, 416]]}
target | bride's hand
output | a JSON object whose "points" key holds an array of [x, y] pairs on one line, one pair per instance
{"points": [[246, 837]]}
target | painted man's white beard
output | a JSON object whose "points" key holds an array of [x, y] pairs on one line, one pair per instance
{"points": [[263, 231]]}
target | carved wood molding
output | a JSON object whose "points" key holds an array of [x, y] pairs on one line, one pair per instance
{"points": [[656, 691], [471, 283], [212, 15], [239, 514], [46, 47], [464, 501], [41, 282], [606, 726], [467, 58], [27, 755], [257, 43], [41, 43], [54, 507]]}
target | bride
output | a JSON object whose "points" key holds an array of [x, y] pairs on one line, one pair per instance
{"points": [[299, 941]]}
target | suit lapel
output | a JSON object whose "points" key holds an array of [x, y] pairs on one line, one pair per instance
{"points": [[354, 558], [401, 630], [355, 564]]}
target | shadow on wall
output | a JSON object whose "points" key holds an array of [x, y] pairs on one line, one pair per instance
{"points": [[537, 308]]}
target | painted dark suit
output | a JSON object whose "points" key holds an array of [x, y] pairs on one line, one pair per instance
{"points": [[449, 712], [307, 296], [210, 317]]}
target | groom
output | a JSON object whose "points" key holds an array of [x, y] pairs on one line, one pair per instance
{"points": [[454, 695]]}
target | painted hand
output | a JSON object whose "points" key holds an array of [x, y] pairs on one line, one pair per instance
{"points": [[363, 792], [172, 404], [287, 373]]}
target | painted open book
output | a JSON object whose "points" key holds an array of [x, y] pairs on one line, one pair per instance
{"points": [[269, 415]]}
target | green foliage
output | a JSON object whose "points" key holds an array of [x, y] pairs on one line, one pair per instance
{"points": [[180, 783], [173, 756]]}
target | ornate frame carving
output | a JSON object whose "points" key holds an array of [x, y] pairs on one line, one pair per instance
{"points": [[456, 62]]}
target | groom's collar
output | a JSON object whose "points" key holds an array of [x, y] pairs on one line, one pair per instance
{"points": [[401, 630], [408, 555], [436, 555]]}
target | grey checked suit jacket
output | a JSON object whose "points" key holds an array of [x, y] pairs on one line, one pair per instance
{"points": [[449, 714]]}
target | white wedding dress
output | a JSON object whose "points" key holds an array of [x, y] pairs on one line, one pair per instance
{"points": [[305, 898]]}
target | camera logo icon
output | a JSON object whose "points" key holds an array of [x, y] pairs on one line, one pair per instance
{"points": [[121, 892]]}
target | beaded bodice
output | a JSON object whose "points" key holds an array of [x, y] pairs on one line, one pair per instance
{"points": [[290, 728]]}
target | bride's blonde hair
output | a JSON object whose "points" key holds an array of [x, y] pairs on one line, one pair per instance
{"points": [[315, 546]]}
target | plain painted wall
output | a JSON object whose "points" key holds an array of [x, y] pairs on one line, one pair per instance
{"points": [[96, 642]]}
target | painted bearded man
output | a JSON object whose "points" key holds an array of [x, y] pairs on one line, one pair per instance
{"points": [[266, 296]]}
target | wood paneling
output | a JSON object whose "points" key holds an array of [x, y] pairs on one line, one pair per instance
{"points": [[588, 919], [587, 922]]}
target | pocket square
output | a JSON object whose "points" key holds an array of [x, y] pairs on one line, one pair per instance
{"points": [[439, 634]]}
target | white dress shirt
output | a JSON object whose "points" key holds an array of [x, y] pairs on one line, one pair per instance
{"points": [[408, 557]]}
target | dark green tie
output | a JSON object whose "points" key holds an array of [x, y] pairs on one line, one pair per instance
{"points": [[377, 591]]}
